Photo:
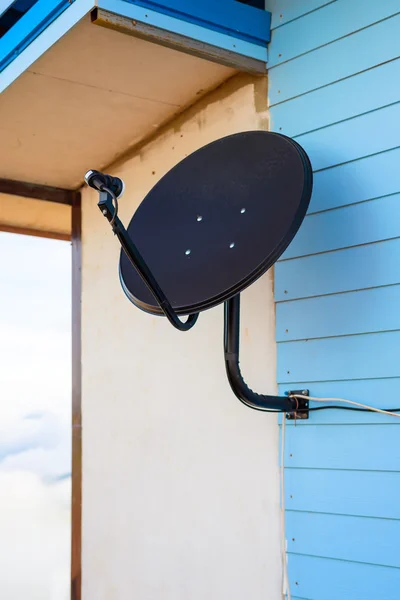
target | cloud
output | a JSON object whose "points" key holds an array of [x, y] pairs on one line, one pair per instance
{"points": [[41, 445], [49, 465], [35, 417], [35, 538], [35, 508]]}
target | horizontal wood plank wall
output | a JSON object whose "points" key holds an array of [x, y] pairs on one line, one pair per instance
{"points": [[334, 85]]}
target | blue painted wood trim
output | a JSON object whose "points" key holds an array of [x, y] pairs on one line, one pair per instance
{"points": [[184, 28], [49, 36], [28, 28], [227, 16], [5, 7], [236, 27]]}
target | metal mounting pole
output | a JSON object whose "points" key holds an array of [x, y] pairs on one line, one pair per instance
{"points": [[288, 404], [106, 206]]}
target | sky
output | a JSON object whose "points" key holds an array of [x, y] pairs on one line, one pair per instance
{"points": [[35, 417]]}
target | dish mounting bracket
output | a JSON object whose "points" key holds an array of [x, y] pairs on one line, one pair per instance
{"points": [[292, 406]]}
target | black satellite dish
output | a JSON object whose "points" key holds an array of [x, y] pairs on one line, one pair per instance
{"points": [[208, 229]]}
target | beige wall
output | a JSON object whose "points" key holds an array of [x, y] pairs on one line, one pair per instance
{"points": [[180, 480]]}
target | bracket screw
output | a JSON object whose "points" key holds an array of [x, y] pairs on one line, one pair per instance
{"points": [[104, 211]]}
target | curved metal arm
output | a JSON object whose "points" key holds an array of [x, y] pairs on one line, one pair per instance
{"points": [[237, 383], [106, 206]]}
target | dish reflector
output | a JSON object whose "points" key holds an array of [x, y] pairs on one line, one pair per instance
{"points": [[218, 220]]}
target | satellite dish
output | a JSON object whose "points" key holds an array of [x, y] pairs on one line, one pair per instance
{"points": [[208, 229], [218, 220]]}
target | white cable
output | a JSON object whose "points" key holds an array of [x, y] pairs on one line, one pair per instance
{"points": [[285, 575], [378, 410]]}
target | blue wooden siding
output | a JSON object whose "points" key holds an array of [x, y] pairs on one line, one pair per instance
{"points": [[334, 85]]}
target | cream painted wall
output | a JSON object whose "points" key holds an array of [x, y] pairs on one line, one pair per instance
{"points": [[180, 480]]}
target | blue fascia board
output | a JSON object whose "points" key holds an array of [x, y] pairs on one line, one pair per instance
{"points": [[42, 42], [227, 16], [28, 28], [48, 20], [5, 7], [185, 28]]}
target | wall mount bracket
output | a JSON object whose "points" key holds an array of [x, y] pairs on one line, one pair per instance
{"points": [[302, 410], [288, 404]]}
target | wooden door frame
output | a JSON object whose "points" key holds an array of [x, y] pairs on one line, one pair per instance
{"points": [[73, 199], [76, 501]]}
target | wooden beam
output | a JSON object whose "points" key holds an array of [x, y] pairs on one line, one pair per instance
{"points": [[37, 191], [54, 235], [76, 523], [228, 58]]}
